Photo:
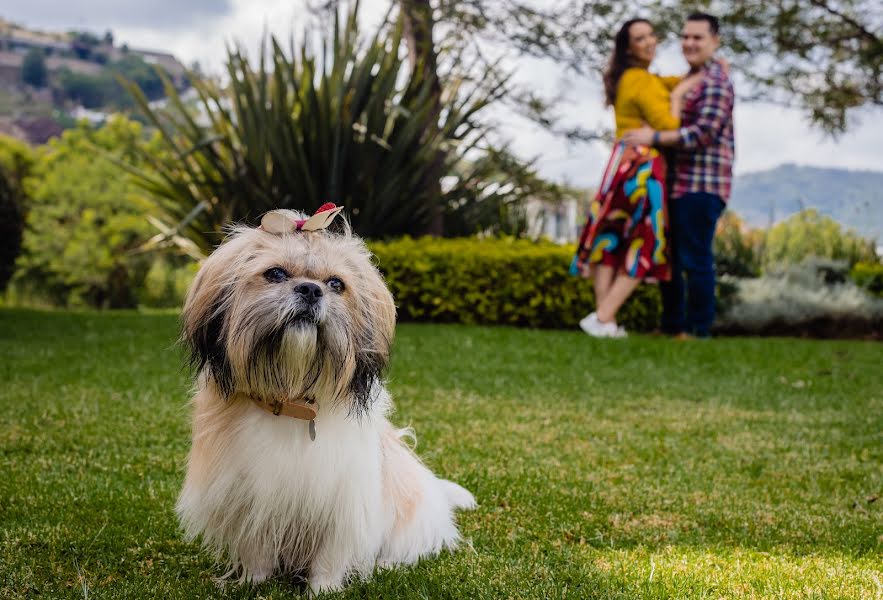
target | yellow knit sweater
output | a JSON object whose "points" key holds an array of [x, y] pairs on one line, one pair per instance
{"points": [[642, 97]]}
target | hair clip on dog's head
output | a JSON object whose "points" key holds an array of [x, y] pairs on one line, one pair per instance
{"points": [[287, 221]]}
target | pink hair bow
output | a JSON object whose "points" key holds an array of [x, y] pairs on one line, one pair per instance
{"points": [[285, 221]]}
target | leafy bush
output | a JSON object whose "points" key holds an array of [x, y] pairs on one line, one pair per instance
{"points": [[104, 89], [146, 76], [16, 161], [869, 275], [496, 281], [737, 250], [92, 91], [813, 298], [166, 282], [493, 281], [85, 220], [811, 234]]}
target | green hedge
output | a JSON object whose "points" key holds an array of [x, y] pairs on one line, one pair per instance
{"points": [[869, 276], [497, 282]]}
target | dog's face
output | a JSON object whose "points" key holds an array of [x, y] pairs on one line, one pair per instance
{"points": [[301, 314]]}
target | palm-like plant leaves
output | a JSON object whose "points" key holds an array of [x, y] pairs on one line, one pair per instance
{"points": [[350, 126]]}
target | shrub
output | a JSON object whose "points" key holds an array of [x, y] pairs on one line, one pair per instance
{"points": [[813, 298], [166, 282], [868, 275], [737, 250], [16, 161], [85, 221], [811, 234], [496, 282], [88, 90]]}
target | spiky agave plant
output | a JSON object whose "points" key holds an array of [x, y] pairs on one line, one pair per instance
{"points": [[350, 124]]}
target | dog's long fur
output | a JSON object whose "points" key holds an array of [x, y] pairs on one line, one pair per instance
{"points": [[258, 491]]}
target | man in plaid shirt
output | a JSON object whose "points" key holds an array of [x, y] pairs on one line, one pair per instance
{"points": [[702, 178]]}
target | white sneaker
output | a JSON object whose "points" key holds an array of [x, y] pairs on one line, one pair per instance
{"points": [[595, 328]]}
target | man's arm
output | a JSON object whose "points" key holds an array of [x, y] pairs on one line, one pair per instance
{"points": [[715, 109]]}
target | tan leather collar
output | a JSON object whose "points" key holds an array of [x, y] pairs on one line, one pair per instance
{"points": [[299, 409]]}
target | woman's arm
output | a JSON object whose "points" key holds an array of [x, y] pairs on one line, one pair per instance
{"points": [[654, 103], [670, 81]]}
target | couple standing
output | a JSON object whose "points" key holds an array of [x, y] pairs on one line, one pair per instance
{"points": [[666, 183]]}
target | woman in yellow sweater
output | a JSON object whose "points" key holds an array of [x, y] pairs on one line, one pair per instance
{"points": [[624, 241]]}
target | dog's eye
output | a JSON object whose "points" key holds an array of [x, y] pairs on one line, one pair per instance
{"points": [[275, 275], [335, 284]]}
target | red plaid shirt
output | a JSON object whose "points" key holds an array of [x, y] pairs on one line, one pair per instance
{"points": [[707, 146]]}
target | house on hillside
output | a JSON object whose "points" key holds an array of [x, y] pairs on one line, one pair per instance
{"points": [[18, 40], [172, 65], [10, 68], [63, 50]]}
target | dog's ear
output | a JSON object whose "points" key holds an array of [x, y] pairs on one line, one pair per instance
{"points": [[204, 320], [372, 357]]}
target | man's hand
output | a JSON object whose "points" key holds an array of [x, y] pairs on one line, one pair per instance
{"points": [[639, 137]]}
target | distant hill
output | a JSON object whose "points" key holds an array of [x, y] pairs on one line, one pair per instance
{"points": [[50, 80], [854, 198]]}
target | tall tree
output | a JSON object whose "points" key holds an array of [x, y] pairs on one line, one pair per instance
{"points": [[33, 68], [823, 56], [418, 22]]}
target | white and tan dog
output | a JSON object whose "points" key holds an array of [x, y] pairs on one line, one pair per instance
{"points": [[295, 468]]}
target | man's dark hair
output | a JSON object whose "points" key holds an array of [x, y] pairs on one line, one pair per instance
{"points": [[713, 22]]}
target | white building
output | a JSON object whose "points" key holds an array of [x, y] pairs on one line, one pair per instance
{"points": [[560, 222]]}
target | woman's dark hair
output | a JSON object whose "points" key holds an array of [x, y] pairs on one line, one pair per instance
{"points": [[619, 60]]}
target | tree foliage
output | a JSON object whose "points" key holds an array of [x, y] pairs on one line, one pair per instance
{"points": [[16, 162], [810, 234], [85, 219], [91, 91], [33, 68], [104, 89], [824, 56], [737, 250]]}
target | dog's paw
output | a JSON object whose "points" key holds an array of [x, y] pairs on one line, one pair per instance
{"points": [[323, 583], [259, 577]]}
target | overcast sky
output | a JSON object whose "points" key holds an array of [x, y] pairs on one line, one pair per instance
{"points": [[199, 30]]}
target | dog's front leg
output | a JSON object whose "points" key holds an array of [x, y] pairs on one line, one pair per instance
{"points": [[352, 542], [330, 567]]}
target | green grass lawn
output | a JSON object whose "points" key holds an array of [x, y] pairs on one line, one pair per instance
{"points": [[643, 468]]}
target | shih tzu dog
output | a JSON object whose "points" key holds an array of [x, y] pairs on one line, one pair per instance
{"points": [[294, 467]]}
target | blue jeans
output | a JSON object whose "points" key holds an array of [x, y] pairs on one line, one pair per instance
{"points": [[693, 219]]}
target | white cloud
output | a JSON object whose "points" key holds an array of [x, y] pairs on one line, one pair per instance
{"points": [[768, 135], [99, 15]]}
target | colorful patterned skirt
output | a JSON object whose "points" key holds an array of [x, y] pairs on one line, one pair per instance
{"points": [[628, 219]]}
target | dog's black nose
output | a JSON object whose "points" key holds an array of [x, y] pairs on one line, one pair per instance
{"points": [[310, 292]]}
